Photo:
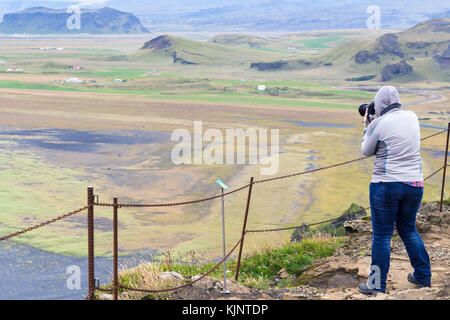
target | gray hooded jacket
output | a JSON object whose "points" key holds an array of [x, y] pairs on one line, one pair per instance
{"points": [[394, 137]]}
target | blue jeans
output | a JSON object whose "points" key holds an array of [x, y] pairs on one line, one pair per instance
{"points": [[397, 203]]}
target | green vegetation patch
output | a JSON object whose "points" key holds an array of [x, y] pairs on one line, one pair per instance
{"points": [[116, 73], [362, 78], [318, 43], [258, 269], [293, 257], [8, 84], [225, 97], [33, 191]]}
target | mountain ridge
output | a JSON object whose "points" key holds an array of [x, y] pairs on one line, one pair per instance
{"points": [[43, 20]]}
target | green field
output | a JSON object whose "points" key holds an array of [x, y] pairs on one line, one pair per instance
{"points": [[247, 95], [319, 43]]}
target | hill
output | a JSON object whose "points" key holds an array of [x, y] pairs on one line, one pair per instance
{"points": [[239, 40], [419, 53], [42, 20], [192, 52]]}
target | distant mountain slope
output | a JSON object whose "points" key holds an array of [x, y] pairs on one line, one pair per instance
{"points": [[278, 15], [239, 40], [191, 52], [41, 20], [419, 53]]}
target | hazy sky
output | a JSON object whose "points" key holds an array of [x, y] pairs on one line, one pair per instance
{"points": [[217, 3], [399, 14]]}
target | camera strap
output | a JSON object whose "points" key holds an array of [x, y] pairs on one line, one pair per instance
{"points": [[390, 107]]}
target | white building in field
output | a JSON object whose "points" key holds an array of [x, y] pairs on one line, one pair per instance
{"points": [[261, 87], [14, 70], [73, 80], [50, 49]]}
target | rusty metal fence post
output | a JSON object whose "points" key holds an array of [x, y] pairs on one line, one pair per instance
{"points": [[116, 271], [91, 262], [244, 229], [445, 168]]}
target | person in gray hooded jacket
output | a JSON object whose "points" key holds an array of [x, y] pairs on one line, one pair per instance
{"points": [[396, 188]]}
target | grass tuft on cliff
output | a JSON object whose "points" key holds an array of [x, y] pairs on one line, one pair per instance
{"points": [[258, 268]]}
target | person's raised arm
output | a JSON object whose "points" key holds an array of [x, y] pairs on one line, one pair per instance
{"points": [[370, 140]]}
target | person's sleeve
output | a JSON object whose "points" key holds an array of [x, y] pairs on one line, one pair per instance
{"points": [[370, 140]]}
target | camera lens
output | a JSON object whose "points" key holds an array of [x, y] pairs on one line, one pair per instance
{"points": [[362, 109]]}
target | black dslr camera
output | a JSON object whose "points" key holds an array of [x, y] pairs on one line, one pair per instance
{"points": [[371, 107]]}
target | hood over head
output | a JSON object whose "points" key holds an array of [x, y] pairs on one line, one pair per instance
{"points": [[386, 96]]}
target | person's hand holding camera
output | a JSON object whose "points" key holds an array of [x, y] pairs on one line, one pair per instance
{"points": [[367, 111], [366, 119]]}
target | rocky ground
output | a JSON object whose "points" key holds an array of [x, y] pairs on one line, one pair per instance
{"points": [[337, 277]]}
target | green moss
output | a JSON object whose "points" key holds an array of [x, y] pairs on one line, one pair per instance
{"points": [[293, 257], [304, 278]]}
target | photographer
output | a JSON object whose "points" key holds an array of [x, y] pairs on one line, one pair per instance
{"points": [[396, 188]]}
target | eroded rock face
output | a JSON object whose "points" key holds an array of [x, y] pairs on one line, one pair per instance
{"points": [[388, 44], [429, 217], [364, 56], [181, 60], [267, 66], [392, 71], [446, 53], [418, 45], [331, 272], [358, 226], [158, 43], [444, 59]]}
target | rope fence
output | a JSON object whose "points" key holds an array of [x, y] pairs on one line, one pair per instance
{"points": [[331, 220], [173, 204], [91, 203], [130, 205]]}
